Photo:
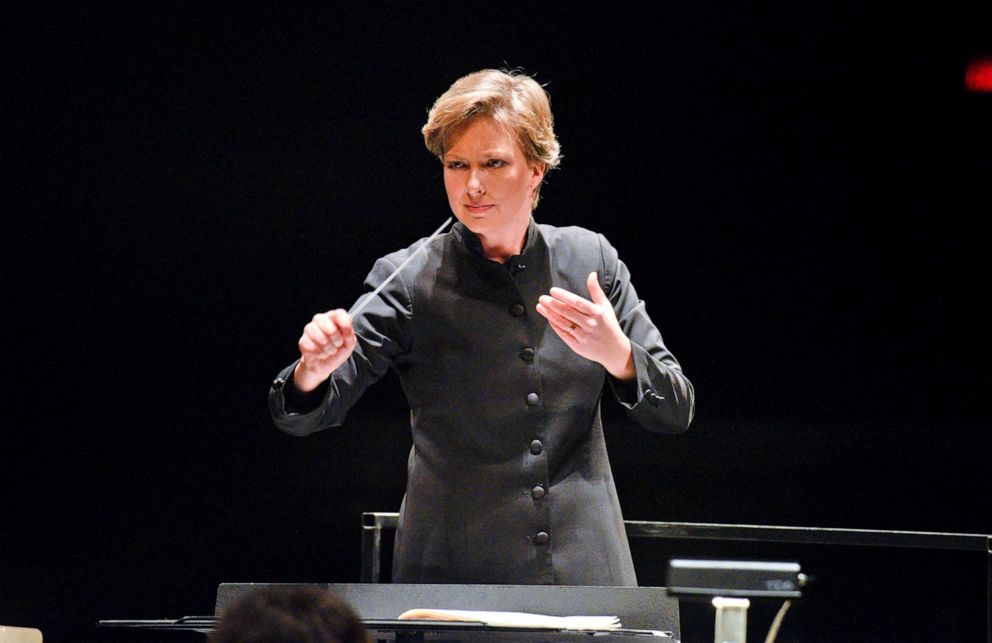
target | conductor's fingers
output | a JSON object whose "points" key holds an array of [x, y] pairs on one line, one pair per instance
{"points": [[343, 321], [328, 326], [315, 340], [595, 290], [580, 304], [556, 319]]}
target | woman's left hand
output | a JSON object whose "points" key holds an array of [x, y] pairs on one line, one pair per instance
{"points": [[590, 328]]}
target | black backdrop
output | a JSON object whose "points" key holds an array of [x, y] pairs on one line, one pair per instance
{"points": [[797, 190]]}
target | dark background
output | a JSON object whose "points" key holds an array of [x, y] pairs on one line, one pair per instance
{"points": [[798, 189]]}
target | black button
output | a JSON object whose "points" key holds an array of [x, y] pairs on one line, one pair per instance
{"points": [[533, 399], [517, 310], [541, 538], [527, 354], [539, 492], [653, 397], [536, 447], [278, 383]]}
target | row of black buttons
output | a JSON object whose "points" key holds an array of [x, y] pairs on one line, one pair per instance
{"points": [[541, 537], [536, 446]]}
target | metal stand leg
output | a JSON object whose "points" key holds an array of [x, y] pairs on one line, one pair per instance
{"points": [[731, 620]]}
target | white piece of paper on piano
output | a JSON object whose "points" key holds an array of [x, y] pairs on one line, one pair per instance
{"points": [[515, 619]]}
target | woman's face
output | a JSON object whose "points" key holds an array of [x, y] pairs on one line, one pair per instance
{"points": [[489, 181]]}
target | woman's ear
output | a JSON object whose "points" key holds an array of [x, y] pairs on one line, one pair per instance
{"points": [[537, 169]]}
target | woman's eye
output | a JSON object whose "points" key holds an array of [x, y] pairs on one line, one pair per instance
{"points": [[455, 165], [496, 163]]}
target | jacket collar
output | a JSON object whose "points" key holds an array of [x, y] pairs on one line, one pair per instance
{"points": [[470, 241]]}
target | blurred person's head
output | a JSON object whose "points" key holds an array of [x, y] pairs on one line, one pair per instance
{"points": [[289, 614]]}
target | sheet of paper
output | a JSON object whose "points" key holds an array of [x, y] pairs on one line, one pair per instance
{"points": [[515, 619]]}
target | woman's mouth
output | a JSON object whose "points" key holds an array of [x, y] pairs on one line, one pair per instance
{"points": [[478, 209]]}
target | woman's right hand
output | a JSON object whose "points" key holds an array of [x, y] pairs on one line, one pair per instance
{"points": [[326, 343]]}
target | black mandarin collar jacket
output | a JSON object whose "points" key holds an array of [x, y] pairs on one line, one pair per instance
{"points": [[509, 481]]}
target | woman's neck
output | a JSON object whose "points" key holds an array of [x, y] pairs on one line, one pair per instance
{"points": [[499, 248]]}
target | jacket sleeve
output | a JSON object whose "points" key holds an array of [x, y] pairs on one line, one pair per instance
{"points": [[380, 331], [661, 398]]}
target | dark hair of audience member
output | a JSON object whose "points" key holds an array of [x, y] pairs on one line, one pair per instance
{"points": [[289, 614]]}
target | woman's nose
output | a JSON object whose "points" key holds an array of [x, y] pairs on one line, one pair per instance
{"points": [[475, 186]]}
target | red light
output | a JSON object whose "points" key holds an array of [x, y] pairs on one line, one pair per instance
{"points": [[978, 77]]}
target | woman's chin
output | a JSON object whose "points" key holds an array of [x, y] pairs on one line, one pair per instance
{"points": [[474, 222]]}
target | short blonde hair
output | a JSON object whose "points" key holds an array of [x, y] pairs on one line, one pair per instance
{"points": [[511, 98]]}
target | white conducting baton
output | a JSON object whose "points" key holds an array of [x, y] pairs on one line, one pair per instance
{"points": [[360, 307]]}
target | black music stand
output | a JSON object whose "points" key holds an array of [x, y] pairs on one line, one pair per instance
{"points": [[642, 611], [730, 585], [646, 613]]}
